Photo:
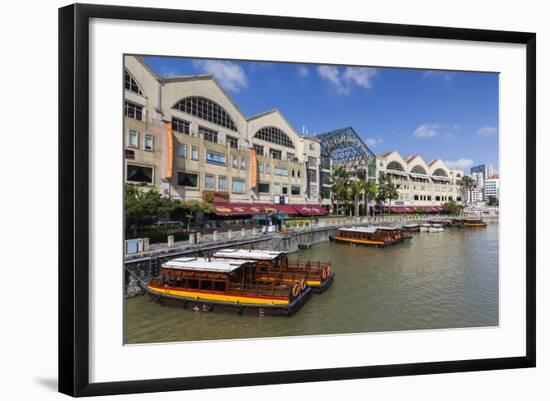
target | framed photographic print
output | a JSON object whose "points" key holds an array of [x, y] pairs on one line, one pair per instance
{"points": [[251, 199]]}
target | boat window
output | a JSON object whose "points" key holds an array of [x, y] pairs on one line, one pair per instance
{"points": [[219, 286], [192, 283], [207, 285]]}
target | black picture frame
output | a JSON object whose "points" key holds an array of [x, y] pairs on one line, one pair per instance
{"points": [[74, 198]]}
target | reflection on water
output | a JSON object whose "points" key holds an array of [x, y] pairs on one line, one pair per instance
{"points": [[443, 280]]}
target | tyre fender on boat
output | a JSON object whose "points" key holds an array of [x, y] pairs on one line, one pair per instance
{"points": [[324, 274], [303, 284], [296, 290]]}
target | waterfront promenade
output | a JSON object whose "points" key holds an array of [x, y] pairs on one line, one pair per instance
{"points": [[306, 233]]}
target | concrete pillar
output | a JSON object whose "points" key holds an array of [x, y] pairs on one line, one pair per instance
{"points": [[191, 238], [215, 236], [229, 234], [243, 232], [170, 241], [145, 244], [140, 245], [199, 238]]}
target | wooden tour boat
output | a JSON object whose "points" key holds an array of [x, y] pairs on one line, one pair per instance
{"points": [[274, 266], [377, 236], [468, 223], [209, 284]]}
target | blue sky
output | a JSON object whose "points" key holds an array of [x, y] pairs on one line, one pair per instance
{"points": [[436, 114]]}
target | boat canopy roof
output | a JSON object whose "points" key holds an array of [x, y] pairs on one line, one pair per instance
{"points": [[205, 264], [371, 229], [250, 254]]}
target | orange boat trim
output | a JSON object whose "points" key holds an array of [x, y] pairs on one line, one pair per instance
{"points": [[360, 241], [218, 296]]}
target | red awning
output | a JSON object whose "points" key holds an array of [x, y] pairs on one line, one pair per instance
{"points": [[252, 209], [310, 210], [226, 209], [410, 209], [285, 209]]}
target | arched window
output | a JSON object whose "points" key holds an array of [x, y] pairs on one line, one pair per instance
{"points": [[131, 84], [274, 135], [418, 170], [207, 110], [395, 166], [439, 173]]}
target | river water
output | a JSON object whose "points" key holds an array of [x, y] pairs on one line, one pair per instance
{"points": [[438, 280]]}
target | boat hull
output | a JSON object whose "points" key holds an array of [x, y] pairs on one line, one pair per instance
{"points": [[255, 306], [371, 243], [322, 287]]}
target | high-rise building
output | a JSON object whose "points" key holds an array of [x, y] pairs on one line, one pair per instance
{"points": [[482, 172], [472, 196], [492, 187]]}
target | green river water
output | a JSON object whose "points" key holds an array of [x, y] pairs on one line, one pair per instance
{"points": [[438, 280]]}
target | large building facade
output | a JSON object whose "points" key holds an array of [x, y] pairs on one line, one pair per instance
{"points": [[419, 183], [186, 137]]}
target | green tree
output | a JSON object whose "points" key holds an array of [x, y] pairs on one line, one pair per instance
{"points": [[143, 205], [492, 201], [467, 184], [386, 189], [452, 207], [356, 190], [369, 192], [191, 207], [340, 181]]}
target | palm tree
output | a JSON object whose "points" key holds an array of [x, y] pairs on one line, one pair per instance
{"points": [[386, 189], [369, 192], [467, 184], [356, 190], [339, 180]]}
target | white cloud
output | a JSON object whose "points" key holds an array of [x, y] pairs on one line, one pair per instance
{"points": [[302, 71], [361, 76], [460, 164], [343, 81], [373, 142], [231, 76], [446, 75], [487, 131], [428, 130]]}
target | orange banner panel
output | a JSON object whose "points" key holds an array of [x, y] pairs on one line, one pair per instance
{"points": [[169, 162], [254, 167]]}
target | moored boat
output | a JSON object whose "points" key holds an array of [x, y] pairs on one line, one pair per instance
{"points": [[410, 227], [275, 266], [210, 284], [474, 223], [468, 223], [435, 228], [425, 227], [377, 236]]}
